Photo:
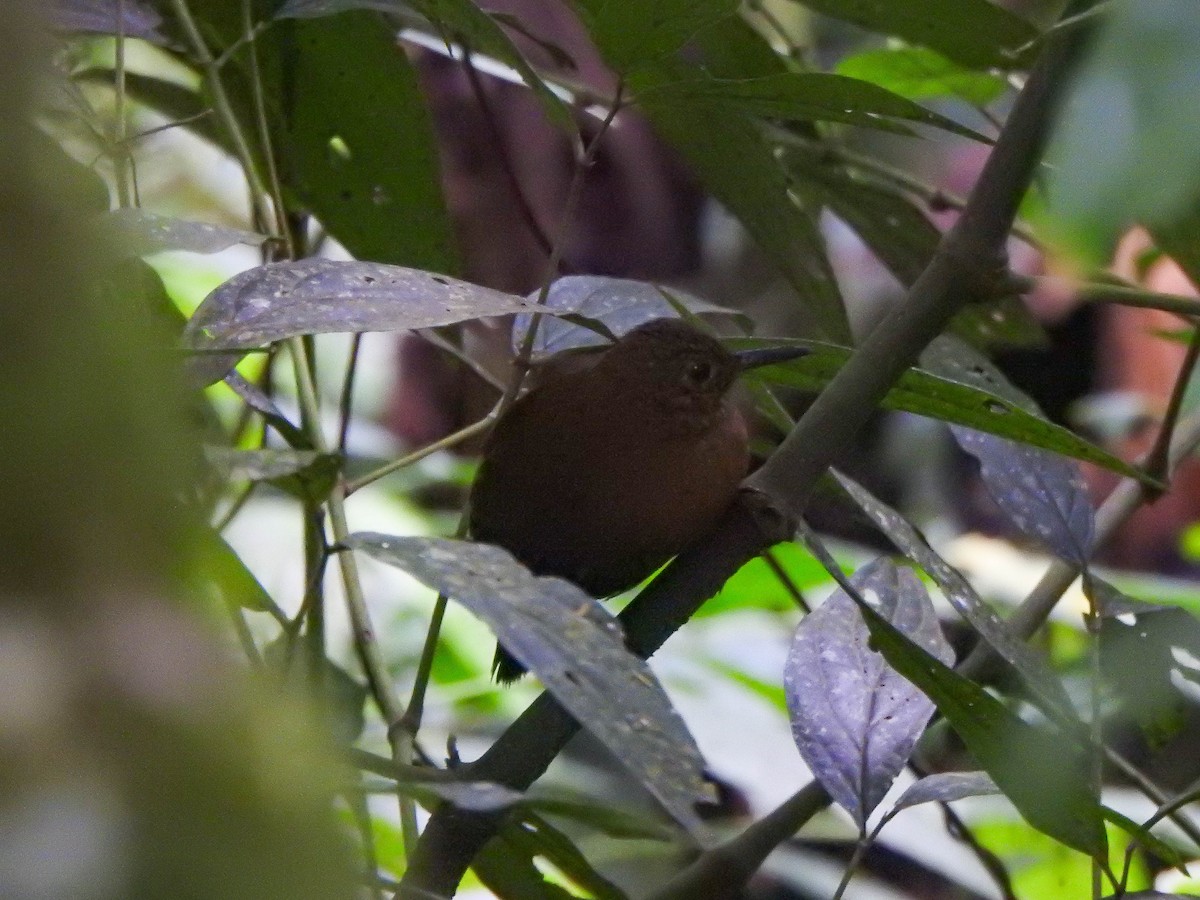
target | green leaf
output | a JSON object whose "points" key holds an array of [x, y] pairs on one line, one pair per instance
{"points": [[614, 821], [459, 21], [811, 97], [756, 586], [305, 474], [213, 564], [920, 74], [1041, 770], [635, 33], [734, 161], [889, 223], [539, 838], [360, 142], [1146, 839], [733, 48], [940, 398], [976, 33], [341, 697]]}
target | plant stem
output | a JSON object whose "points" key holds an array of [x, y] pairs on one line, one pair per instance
{"points": [[450, 440], [224, 109]]}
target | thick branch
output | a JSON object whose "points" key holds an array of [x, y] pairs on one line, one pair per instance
{"points": [[969, 260]]}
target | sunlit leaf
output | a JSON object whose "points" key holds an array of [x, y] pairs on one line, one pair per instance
{"points": [[976, 33], [920, 74]]}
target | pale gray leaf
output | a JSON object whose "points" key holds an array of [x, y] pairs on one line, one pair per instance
{"points": [[141, 233], [137, 19], [854, 718], [259, 465], [1042, 493], [1032, 668], [622, 304], [574, 646], [943, 787], [476, 796], [322, 296]]}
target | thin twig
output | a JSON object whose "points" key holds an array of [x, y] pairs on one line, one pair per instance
{"points": [[435, 337], [450, 440], [786, 580], [346, 401], [264, 131]]}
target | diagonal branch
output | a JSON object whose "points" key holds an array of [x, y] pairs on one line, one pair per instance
{"points": [[969, 261]]}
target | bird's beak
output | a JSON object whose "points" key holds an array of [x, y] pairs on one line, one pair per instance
{"points": [[765, 356]]}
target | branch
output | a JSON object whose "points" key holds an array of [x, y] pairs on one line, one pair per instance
{"points": [[968, 263]]}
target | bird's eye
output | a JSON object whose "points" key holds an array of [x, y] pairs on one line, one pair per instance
{"points": [[699, 372]]}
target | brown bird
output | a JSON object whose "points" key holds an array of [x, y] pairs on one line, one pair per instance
{"points": [[609, 467]]}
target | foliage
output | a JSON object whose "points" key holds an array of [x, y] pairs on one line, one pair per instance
{"points": [[324, 117]]}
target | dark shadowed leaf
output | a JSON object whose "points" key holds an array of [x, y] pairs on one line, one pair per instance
{"points": [[919, 73], [813, 97], [255, 398], [1041, 681], [854, 718], [1110, 602], [622, 304], [976, 33], [954, 359], [306, 474], [506, 866], [634, 33], [1043, 771], [943, 787], [734, 160], [1144, 664], [133, 18], [889, 223], [939, 398], [360, 142], [574, 646], [322, 296], [141, 233], [1004, 323], [615, 821], [461, 20], [1042, 493]]}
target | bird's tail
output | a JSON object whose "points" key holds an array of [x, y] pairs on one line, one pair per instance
{"points": [[505, 667]]}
